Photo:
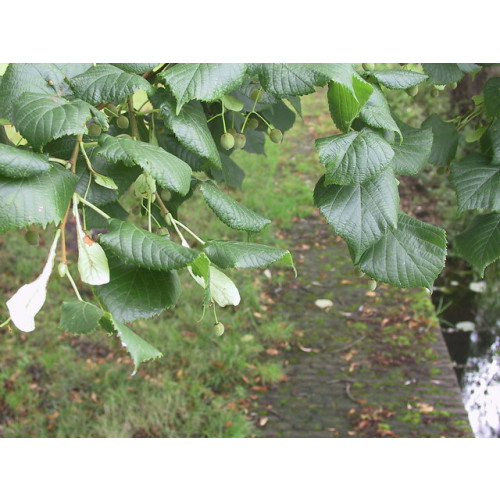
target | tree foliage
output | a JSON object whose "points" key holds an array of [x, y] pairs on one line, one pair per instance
{"points": [[86, 143]]}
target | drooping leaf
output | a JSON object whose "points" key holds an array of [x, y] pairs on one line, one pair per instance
{"points": [[361, 213], [479, 244], [237, 254], [20, 163], [92, 261], [189, 126], [354, 157], [443, 73], [34, 78], [202, 81], [229, 211], [345, 103], [105, 82], [27, 302], [42, 118], [40, 199], [232, 174], [138, 348], [376, 112], [398, 78], [445, 141], [80, 317], [169, 171], [412, 255], [491, 91], [134, 293], [477, 183], [413, 153], [144, 249]]}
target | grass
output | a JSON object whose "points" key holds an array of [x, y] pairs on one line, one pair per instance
{"points": [[56, 384]]}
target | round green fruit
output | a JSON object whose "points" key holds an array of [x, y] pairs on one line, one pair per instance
{"points": [[453, 85], [276, 135], [227, 140], [252, 124], [256, 95], [434, 92], [368, 66], [122, 122], [94, 129], [32, 237], [111, 110], [218, 328], [239, 141], [412, 91]]}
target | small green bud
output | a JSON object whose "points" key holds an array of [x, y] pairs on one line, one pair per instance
{"points": [[163, 231], [94, 129], [62, 269], [434, 92], [122, 122], [276, 135], [239, 141], [373, 285], [218, 328], [32, 237], [256, 95], [111, 110], [233, 132], [412, 91], [453, 85], [368, 66], [252, 124], [227, 140]]}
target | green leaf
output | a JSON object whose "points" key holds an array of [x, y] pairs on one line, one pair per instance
{"points": [[202, 81], [189, 126], [138, 348], [20, 163], [41, 118], [491, 91], [33, 78], [232, 103], [229, 211], [134, 293], [354, 157], [479, 244], [412, 255], [295, 79], [169, 171], [139, 68], [376, 112], [445, 141], [398, 79], [144, 249], [494, 137], [477, 183], [361, 213], [80, 317], [345, 102], [414, 152], [443, 74], [230, 254], [105, 82], [40, 199]]}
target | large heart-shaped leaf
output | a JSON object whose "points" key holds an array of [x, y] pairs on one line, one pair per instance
{"points": [[144, 249], [42, 118], [20, 163], [398, 78], [105, 83], [133, 292], [477, 183], [354, 157], [412, 255], [480, 242], [39, 199], [169, 171], [447, 73], [202, 81], [361, 213]]}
